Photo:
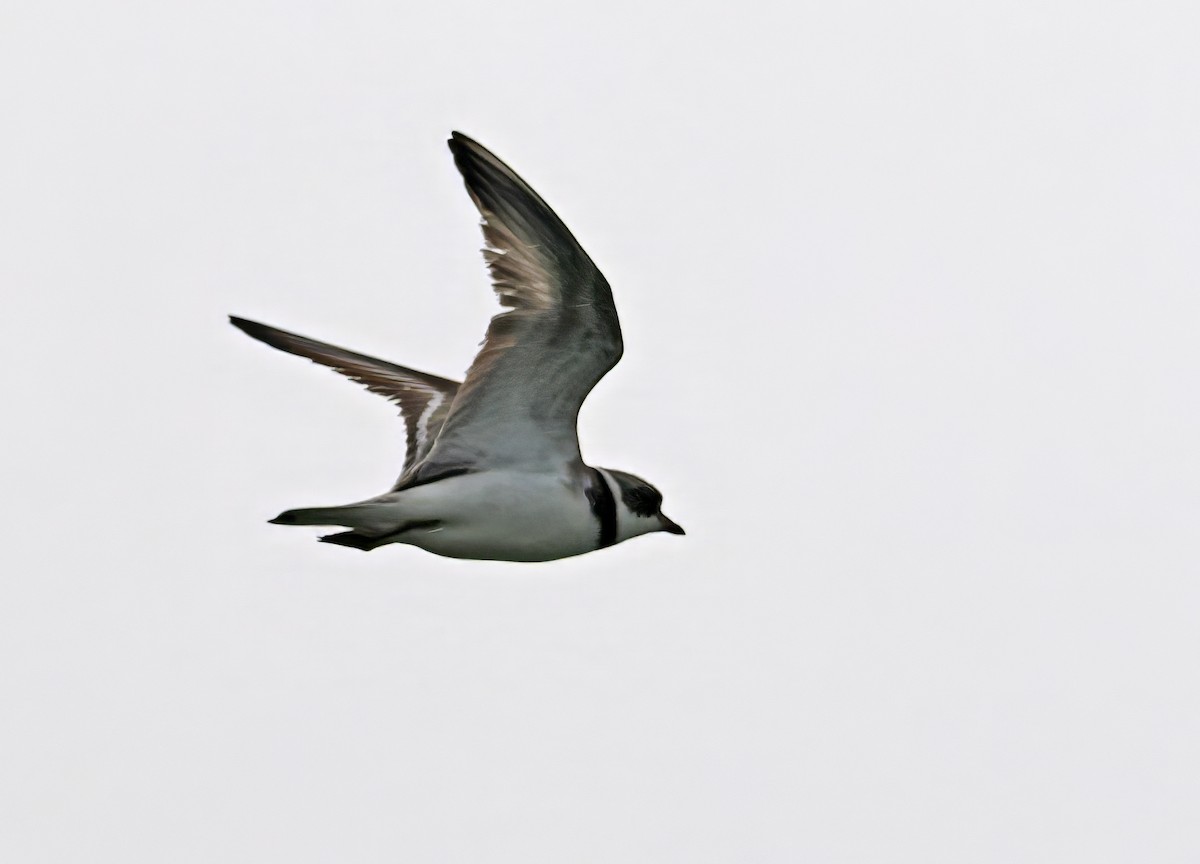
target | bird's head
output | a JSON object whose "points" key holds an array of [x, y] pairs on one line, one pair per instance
{"points": [[639, 506]]}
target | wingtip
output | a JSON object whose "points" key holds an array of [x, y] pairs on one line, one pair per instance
{"points": [[466, 150], [250, 328]]}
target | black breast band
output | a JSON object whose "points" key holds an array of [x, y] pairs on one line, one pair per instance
{"points": [[604, 507]]}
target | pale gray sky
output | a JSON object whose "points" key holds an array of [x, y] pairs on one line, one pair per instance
{"points": [[910, 297]]}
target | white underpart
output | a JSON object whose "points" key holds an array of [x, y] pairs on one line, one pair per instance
{"points": [[498, 515]]}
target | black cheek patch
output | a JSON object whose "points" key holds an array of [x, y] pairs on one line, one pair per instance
{"points": [[642, 500]]}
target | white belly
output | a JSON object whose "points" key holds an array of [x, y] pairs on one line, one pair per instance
{"points": [[500, 516]]}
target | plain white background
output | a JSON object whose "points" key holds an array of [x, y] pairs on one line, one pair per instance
{"points": [[910, 303]]}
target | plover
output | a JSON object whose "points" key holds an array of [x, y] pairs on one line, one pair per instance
{"points": [[493, 468]]}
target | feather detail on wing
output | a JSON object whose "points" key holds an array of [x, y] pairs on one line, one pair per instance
{"points": [[424, 399], [521, 397]]}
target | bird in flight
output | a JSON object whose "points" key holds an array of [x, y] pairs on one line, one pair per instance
{"points": [[493, 469]]}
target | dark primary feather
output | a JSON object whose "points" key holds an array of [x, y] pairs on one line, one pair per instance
{"points": [[540, 359], [424, 399]]}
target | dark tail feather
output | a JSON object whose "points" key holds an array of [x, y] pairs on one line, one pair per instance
{"points": [[354, 540], [319, 516]]}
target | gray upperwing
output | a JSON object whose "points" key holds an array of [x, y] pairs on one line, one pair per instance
{"points": [[521, 397], [424, 399]]}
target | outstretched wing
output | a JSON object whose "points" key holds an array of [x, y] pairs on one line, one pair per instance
{"points": [[424, 399], [539, 360]]}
